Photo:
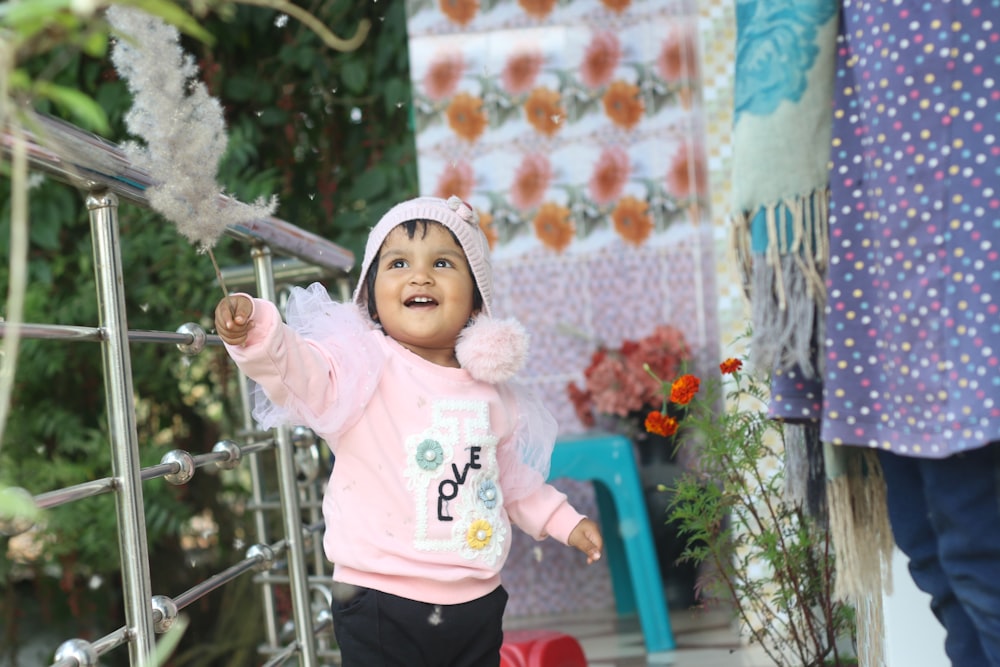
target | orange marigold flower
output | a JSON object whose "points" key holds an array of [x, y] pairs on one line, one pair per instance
{"points": [[466, 116], [553, 226], [520, 71], [537, 9], [459, 11], [457, 178], [623, 105], [684, 389], [544, 111], [730, 365], [600, 59], [486, 224], [443, 75], [660, 424], [531, 180], [631, 220]]}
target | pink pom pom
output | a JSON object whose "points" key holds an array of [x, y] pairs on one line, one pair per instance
{"points": [[492, 350]]}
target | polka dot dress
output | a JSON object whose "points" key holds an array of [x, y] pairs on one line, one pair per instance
{"points": [[913, 326]]}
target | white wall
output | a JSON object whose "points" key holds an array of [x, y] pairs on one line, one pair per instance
{"points": [[913, 636]]}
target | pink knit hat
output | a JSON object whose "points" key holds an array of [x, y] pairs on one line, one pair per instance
{"points": [[491, 350], [454, 214]]}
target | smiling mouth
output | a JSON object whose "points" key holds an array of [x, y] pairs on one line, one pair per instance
{"points": [[419, 301]]}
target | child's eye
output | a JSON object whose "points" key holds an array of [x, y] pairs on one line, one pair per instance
{"points": [[397, 264], [442, 264]]}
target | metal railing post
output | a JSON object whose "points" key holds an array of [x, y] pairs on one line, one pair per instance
{"points": [[133, 550], [259, 519], [291, 513]]}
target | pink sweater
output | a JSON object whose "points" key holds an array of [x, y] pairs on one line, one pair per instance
{"points": [[422, 495]]}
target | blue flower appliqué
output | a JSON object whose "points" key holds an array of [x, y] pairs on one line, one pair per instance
{"points": [[488, 494], [430, 455], [775, 49]]}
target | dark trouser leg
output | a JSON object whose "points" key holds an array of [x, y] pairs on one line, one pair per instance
{"points": [[945, 516], [376, 629]]}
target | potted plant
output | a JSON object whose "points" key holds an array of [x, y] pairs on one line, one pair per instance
{"points": [[756, 549], [616, 395]]}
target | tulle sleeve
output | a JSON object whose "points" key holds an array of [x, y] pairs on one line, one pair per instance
{"points": [[526, 458], [350, 347]]}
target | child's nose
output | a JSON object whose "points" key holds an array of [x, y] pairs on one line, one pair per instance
{"points": [[420, 276]]}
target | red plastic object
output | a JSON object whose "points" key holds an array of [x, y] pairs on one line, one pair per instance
{"points": [[540, 648]]}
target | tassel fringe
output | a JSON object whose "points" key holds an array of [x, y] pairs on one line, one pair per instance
{"points": [[859, 522], [870, 621], [862, 542], [783, 277]]}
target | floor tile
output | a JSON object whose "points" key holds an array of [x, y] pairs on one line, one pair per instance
{"points": [[704, 639]]}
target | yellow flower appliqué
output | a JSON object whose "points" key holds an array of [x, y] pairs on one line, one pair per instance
{"points": [[479, 534]]}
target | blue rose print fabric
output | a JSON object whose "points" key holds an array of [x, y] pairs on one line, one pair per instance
{"points": [[912, 350], [775, 50]]}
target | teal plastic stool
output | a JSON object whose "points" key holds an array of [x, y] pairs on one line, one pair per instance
{"points": [[609, 462]]}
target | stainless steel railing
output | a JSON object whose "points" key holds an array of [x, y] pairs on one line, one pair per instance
{"points": [[101, 170], [94, 164]]}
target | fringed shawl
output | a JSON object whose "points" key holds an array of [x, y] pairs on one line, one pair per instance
{"points": [[785, 60], [781, 138]]}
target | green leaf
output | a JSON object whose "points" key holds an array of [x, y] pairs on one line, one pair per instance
{"points": [[355, 76], [19, 80], [18, 14], [80, 105], [395, 93], [174, 15], [241, 87], [17, 504], [168, 643], [273, 117], [369, 184], [94, 43]]}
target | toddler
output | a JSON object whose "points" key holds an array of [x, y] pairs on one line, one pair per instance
{"points": [[437, 453]]}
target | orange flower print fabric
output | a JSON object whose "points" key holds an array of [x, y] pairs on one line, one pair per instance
{"points": [[544, 111], [623, 105], [466, 116], [553, 226]]}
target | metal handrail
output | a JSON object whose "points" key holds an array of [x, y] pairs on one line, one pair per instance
{"points": [[102, 171], [226, 452], [90, 163], [97, 334]]}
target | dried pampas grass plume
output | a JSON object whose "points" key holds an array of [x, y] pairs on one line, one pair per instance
{"points": [[182, 127]]}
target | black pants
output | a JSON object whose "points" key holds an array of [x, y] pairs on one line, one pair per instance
{"points": [[376, 629]]}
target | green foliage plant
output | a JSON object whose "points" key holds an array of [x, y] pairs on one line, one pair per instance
{"points": [[758, 550], [326, 130]]}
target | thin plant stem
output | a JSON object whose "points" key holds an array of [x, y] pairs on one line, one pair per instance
{"points": [[222, 282], [314, 24], [18, 268]]}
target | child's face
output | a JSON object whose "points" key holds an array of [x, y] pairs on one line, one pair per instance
{"points": [[424, 291]]}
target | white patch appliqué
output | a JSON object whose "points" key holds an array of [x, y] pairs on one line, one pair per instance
{"points": [[451, 469]]}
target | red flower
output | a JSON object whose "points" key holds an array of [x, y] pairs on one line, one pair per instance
{"points": [[730, 365], [531, 180], [600, 59], [684, 389], [610, 175], [660, 424], [443, 76], [616, 381]]}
